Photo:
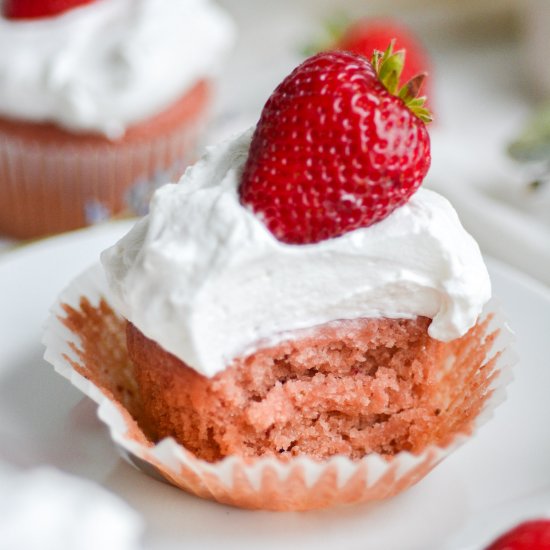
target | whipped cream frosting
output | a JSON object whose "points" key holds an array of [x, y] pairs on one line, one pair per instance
{"points": [[107, 65], [202, 275]]}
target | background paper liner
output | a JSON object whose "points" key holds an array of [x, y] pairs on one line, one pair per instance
{"points": [[53, 181], [265, 483]]}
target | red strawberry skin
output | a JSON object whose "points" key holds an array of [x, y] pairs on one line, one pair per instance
{"points": [[34, 9], [531, 535], [333, 151], [366, 35]]}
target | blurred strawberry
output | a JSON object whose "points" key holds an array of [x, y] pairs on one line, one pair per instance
{"points": [[34, 9], [366, 35], [531, 535]]}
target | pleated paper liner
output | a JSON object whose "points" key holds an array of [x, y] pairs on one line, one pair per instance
{"points": [[52, 180], [92, 355]]}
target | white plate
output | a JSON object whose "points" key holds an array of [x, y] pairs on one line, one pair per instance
{"points": [[500, 477]]}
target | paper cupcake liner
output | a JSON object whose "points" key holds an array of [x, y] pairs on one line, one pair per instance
{"points": [[263, 483], [51, 183]]}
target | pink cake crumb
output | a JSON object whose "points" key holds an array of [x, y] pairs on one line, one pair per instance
{"points": [[349, 387]]}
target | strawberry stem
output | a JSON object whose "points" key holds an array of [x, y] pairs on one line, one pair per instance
{"points": [[389, 67]]}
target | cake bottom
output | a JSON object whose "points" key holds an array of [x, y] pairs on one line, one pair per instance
{"points": [[348, 388], [86, 342]]}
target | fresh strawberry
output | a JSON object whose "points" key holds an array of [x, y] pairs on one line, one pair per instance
{"points": [[33, 9], [531, 535], [338, 146], [367, 35]]}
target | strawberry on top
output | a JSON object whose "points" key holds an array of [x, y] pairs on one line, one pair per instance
{"points": [[340, 144]]}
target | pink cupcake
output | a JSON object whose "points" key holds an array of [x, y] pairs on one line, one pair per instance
{"points": [[257, 346], [99, 104]]}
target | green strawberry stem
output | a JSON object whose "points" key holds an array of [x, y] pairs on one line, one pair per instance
{"points": [[389, 67]]}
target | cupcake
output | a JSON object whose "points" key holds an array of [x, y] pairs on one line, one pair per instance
{"points": [[295, 324], [99, 104]]}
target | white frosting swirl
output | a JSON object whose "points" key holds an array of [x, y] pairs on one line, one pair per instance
{"points": [[110, 64], [203, 277]]}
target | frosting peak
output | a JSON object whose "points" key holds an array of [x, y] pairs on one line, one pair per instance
{"points": [[203, 277]]}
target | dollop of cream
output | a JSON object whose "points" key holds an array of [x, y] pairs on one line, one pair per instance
{"points": [[110, 64], [202, 276]]}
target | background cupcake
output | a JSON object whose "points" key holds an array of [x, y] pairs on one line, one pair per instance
{"points": [[100, 103]]}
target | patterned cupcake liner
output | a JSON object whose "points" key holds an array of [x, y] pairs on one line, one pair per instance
{"points": [[50, 183], [263, 483]]}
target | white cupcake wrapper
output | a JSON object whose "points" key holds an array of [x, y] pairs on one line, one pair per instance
{"points": [[300, 483]]}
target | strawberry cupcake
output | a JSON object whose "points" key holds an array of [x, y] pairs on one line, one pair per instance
{"points": [[100, 100], [296, 324]]}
